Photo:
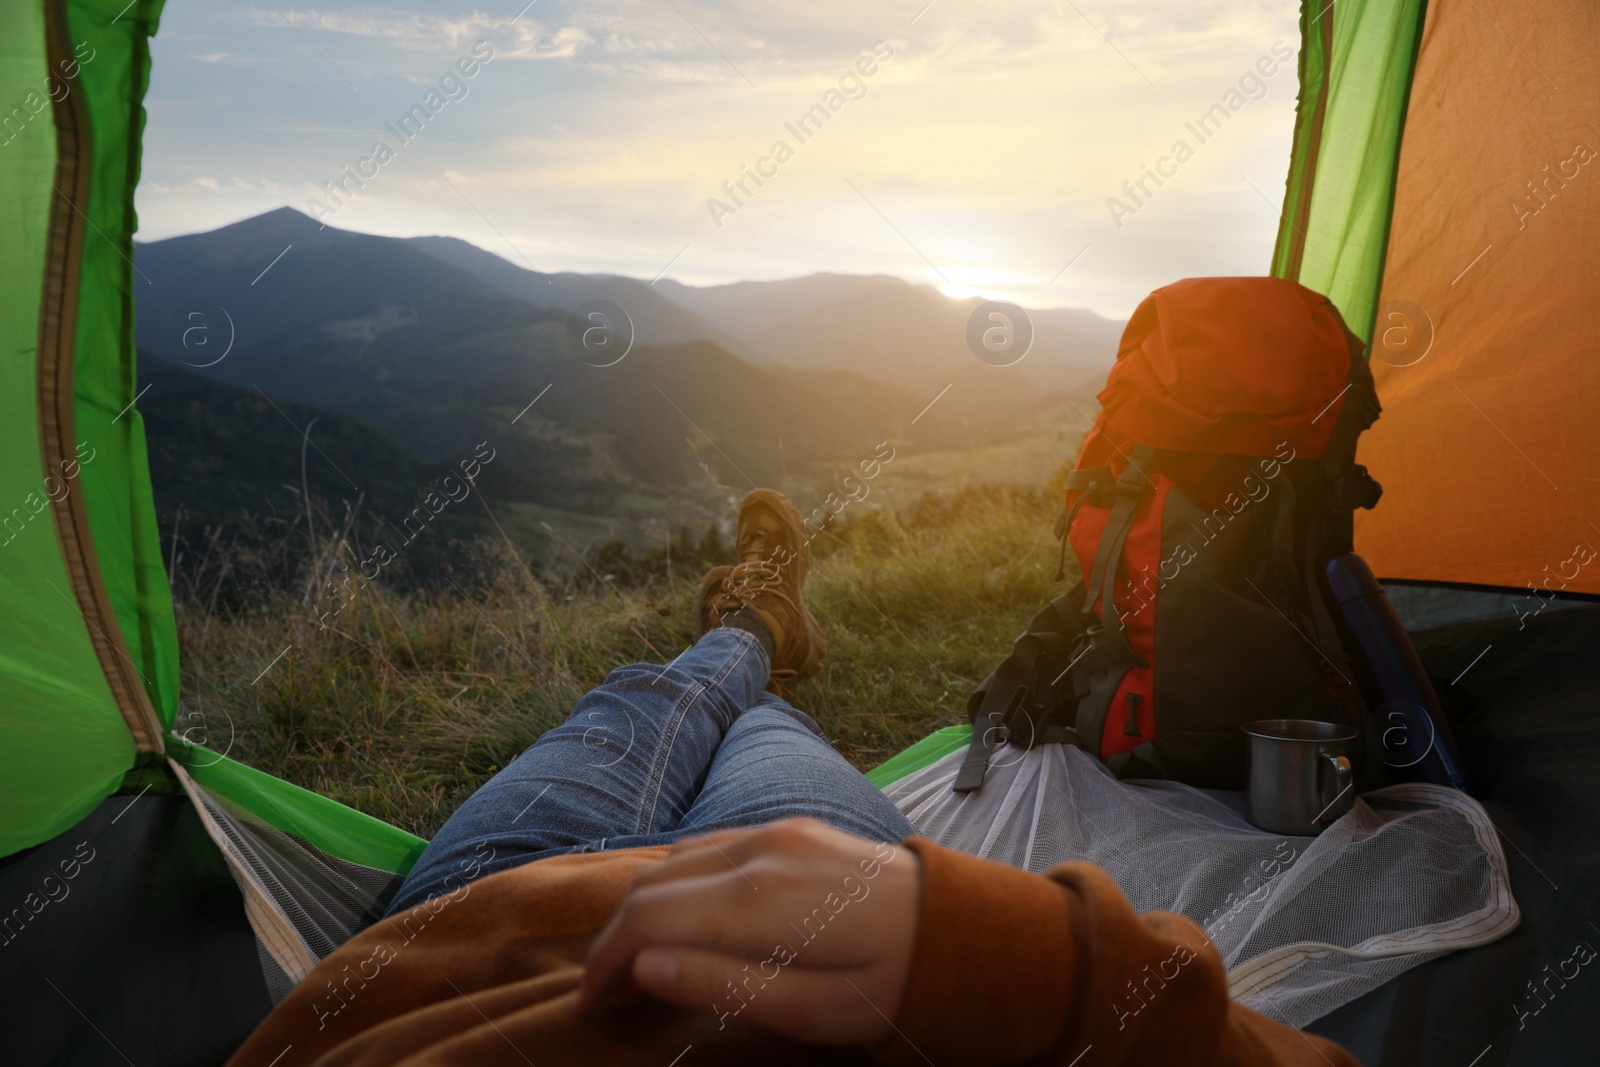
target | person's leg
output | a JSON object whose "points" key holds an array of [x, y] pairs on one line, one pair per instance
{"points": [[628, 763], [774, 763]]}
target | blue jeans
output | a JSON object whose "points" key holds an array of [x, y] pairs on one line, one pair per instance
{"points": [[653, 755]]}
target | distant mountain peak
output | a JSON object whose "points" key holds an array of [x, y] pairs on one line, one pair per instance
{"points": [[285, 212], [258, 238], [285, 220]]}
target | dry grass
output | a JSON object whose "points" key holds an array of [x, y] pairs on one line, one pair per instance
{"points": [[406, 702]]}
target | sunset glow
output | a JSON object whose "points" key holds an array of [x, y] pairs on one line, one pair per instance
{"points": [[977, 147]]}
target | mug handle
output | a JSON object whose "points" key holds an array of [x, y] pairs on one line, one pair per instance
{"points": [[1343, 778]]}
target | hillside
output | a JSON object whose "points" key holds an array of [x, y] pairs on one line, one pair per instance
{"points": [[890, 329], [374, 328], [232, 470]]}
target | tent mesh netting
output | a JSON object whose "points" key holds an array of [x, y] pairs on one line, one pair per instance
{"points": [[301, 902], [1303, 924]]}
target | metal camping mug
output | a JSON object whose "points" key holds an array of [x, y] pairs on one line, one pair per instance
{"points": [[1300, 777]]}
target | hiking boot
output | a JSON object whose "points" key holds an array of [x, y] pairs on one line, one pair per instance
{"points": [[774, 559]]}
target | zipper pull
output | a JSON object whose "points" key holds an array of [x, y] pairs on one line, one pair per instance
{"points": [[1132, 727]]}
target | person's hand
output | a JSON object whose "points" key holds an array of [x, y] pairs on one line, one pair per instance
{"points": [[795, 926]]}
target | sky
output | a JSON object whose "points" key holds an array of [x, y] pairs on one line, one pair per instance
{"points": [[979, 147]]}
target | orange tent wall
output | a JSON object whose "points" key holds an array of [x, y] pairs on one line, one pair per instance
{"points": [[1484, 349]]}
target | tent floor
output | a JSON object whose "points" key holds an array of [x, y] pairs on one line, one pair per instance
{"points": [[1527, 719], [142, 956]]}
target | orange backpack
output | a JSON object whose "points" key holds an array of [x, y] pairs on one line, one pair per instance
{"points": [[1217, 481]]}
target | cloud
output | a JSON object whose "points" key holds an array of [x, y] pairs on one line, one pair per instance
{"points": [[516, 37], [235, 184], [537, 44], [424, 31]]}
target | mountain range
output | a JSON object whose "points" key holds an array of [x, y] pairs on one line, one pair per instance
{"points": [[412, 352]]}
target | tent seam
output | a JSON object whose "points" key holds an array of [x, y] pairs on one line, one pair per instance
{"points": [[57, 398]]}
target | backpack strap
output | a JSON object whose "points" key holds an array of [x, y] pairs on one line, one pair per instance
{"points": [[999, 700], [1019, 698], [1067, 655], [1143, 762], [1346, 486], [1088, 483], [1101, 586]]}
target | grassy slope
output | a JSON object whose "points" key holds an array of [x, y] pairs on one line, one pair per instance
{"points": [[405, 704]]}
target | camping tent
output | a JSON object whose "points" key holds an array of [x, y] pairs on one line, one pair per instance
{"points": [[1439, 192]]}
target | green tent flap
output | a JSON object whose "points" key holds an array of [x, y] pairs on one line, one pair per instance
{"points": [[116, 484], [930, 749], [313, 818], [1356, 63], [89, 649], [67, 743]]}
